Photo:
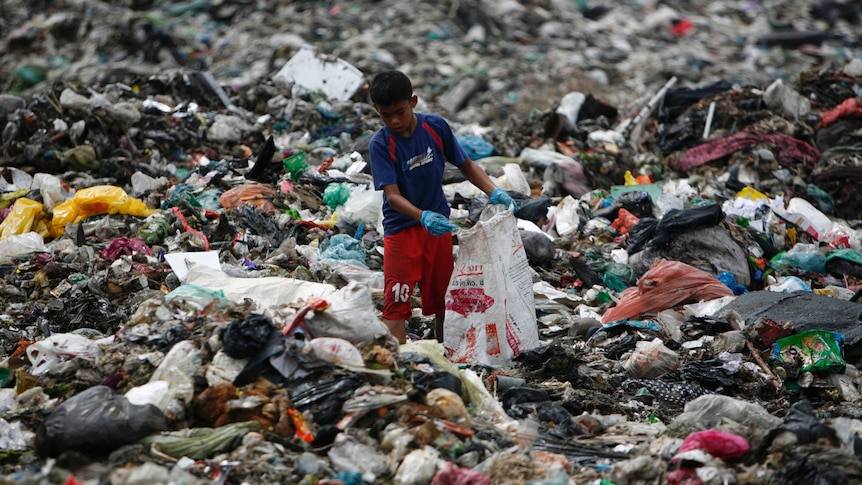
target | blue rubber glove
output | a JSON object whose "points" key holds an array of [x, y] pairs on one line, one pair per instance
{"points": [[499, 196], [436, 224]]}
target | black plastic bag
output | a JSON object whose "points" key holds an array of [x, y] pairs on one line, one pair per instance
{"points": [[96, 421], [533, 210], [246, 338], [676, 221], [539, 248], [640, 234]]}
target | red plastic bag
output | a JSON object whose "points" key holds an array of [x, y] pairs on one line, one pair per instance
{"points": [[450, 474], [720, 444], [625, 221], [665, 285]]}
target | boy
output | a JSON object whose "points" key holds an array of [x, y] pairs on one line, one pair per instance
{"points": [[407, 161]]}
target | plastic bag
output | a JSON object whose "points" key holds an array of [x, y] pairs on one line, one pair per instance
{"points": [[717, 443], [243, 339], [46, 354], [363, 206], [513, 179], [565, 216], [350, 316], [490, 311], [259, 196], [806, 257], [815, 350], [335, 351], [343, 247], [666, 284], [296, 165], [19, 244], [350, 455], [101, 199], [335, 195], [96, 421], [201, 443], [21, 219], [651, 359], [418, 467], [540, 249]]}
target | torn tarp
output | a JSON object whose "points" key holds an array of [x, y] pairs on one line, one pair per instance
{"points": [[807, 311]]}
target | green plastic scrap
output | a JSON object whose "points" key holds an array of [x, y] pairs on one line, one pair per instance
{"points": [[183, 198], [815, 350], [154, 230], [847, 254], [200, 443], [336, 194], [296, 165], [81, 158]]}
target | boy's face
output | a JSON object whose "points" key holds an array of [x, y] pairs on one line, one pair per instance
{"points": [[399, 116]]}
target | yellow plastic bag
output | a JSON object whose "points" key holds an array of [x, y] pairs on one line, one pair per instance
{"points": [[101, 199], [21, 219]]}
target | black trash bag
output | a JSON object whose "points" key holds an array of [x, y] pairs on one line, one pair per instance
{"points": [[640, 234], [96, 422], [803, 424], [676, 221], [246, 338], [520, 402], [539, 248], [533, 210], [520, 394]]}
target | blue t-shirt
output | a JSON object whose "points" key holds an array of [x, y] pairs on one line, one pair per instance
{"points": [[417, 167]]}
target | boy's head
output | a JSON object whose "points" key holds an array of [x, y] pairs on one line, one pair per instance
{"points": [[390, 87], [392, 95]]}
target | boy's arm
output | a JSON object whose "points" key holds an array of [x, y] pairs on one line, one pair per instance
{"points": [[477, 176], [400, 203]]}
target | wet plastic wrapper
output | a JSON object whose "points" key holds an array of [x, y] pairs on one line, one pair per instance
{"points": [[490, 311], [816, 350]]}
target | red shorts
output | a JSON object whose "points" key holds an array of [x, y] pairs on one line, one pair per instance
{"points": [[415, 256]]}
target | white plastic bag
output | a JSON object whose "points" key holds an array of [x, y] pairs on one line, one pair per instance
{"points": [[18, 244], [490, 311], [46, 355], [350, 316], [565, 216], [363, 205]]}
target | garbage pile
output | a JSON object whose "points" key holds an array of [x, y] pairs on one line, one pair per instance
{"points": [[191, 266]]}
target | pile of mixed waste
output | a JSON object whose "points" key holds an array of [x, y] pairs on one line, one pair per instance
{"points": [[191, 246]]}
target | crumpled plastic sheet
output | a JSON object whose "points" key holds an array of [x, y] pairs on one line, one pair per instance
{"points": [[666, 284]]}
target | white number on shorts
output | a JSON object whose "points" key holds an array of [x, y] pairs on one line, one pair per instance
{"points": [[402, 292]]}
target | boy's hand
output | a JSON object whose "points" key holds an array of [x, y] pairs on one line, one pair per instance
{"points": [[436, 224], [499, 196]]}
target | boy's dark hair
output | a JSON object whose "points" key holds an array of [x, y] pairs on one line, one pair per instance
{"points": [[390, 87]]}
